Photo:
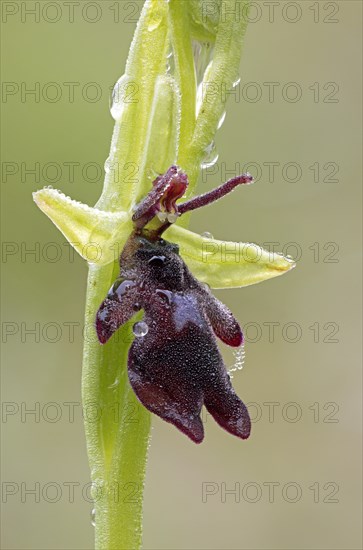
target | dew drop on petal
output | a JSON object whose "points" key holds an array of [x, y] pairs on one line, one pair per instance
{"points": [[157, 261], [207, 235], [119, 288], [236, 82], [165, 295], [140, 329], [93, 517]]}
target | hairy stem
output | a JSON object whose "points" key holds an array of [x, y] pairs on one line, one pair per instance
{"points": [[117, 427], [153, 132]]}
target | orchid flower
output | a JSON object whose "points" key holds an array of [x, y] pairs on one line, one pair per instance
{"points": [[163, 118], [174, 363]]}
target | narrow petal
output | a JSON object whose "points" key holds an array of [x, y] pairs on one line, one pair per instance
{"points": [[117, 308], [98, 236], [226, 407], [223, 264], [176, 366], [224, 324]]}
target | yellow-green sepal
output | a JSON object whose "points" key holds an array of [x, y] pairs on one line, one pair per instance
{"points": [[226, 264]]}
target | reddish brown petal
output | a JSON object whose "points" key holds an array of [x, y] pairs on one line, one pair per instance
{"points": [[224, 324], [118, 307], [160, 401], [166, 190], [226, 407], [176, 367]]}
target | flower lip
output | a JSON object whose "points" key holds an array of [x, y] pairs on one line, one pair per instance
{"points": [[175, 367]]}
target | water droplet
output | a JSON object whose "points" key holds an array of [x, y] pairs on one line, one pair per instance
{"points": [[162, 216], [103, 315], [165, 295], [119, 93], [211, 156], [93, 517], [239, 358], [140, 329], [199, 99], [207, 235], [157, 261], [107, 165], [172, 217], [114, 385], [202, 53], [236, 82], [119, 288], [155, 21], [170, 63], [221, 120]]}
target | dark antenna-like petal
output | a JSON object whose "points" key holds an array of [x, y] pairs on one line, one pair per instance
{"points": [[224, 323]]}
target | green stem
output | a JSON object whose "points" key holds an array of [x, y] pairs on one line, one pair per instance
{"points": [[117, 427], [117, 451]]}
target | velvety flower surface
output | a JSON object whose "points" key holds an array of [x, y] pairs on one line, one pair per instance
{"points": [[174, 364]]}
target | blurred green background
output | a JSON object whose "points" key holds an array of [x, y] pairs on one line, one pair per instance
{"points": [[297, 480]]}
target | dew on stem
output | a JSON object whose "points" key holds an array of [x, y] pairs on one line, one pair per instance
{"points": [[119, 95], [203, 54], [207, 235], [210, 157], [93, 517]]}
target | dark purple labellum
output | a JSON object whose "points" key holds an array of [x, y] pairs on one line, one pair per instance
{"points": [[174, 364]]}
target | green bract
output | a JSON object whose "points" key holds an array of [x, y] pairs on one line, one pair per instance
{"points": [[159, 121]]}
